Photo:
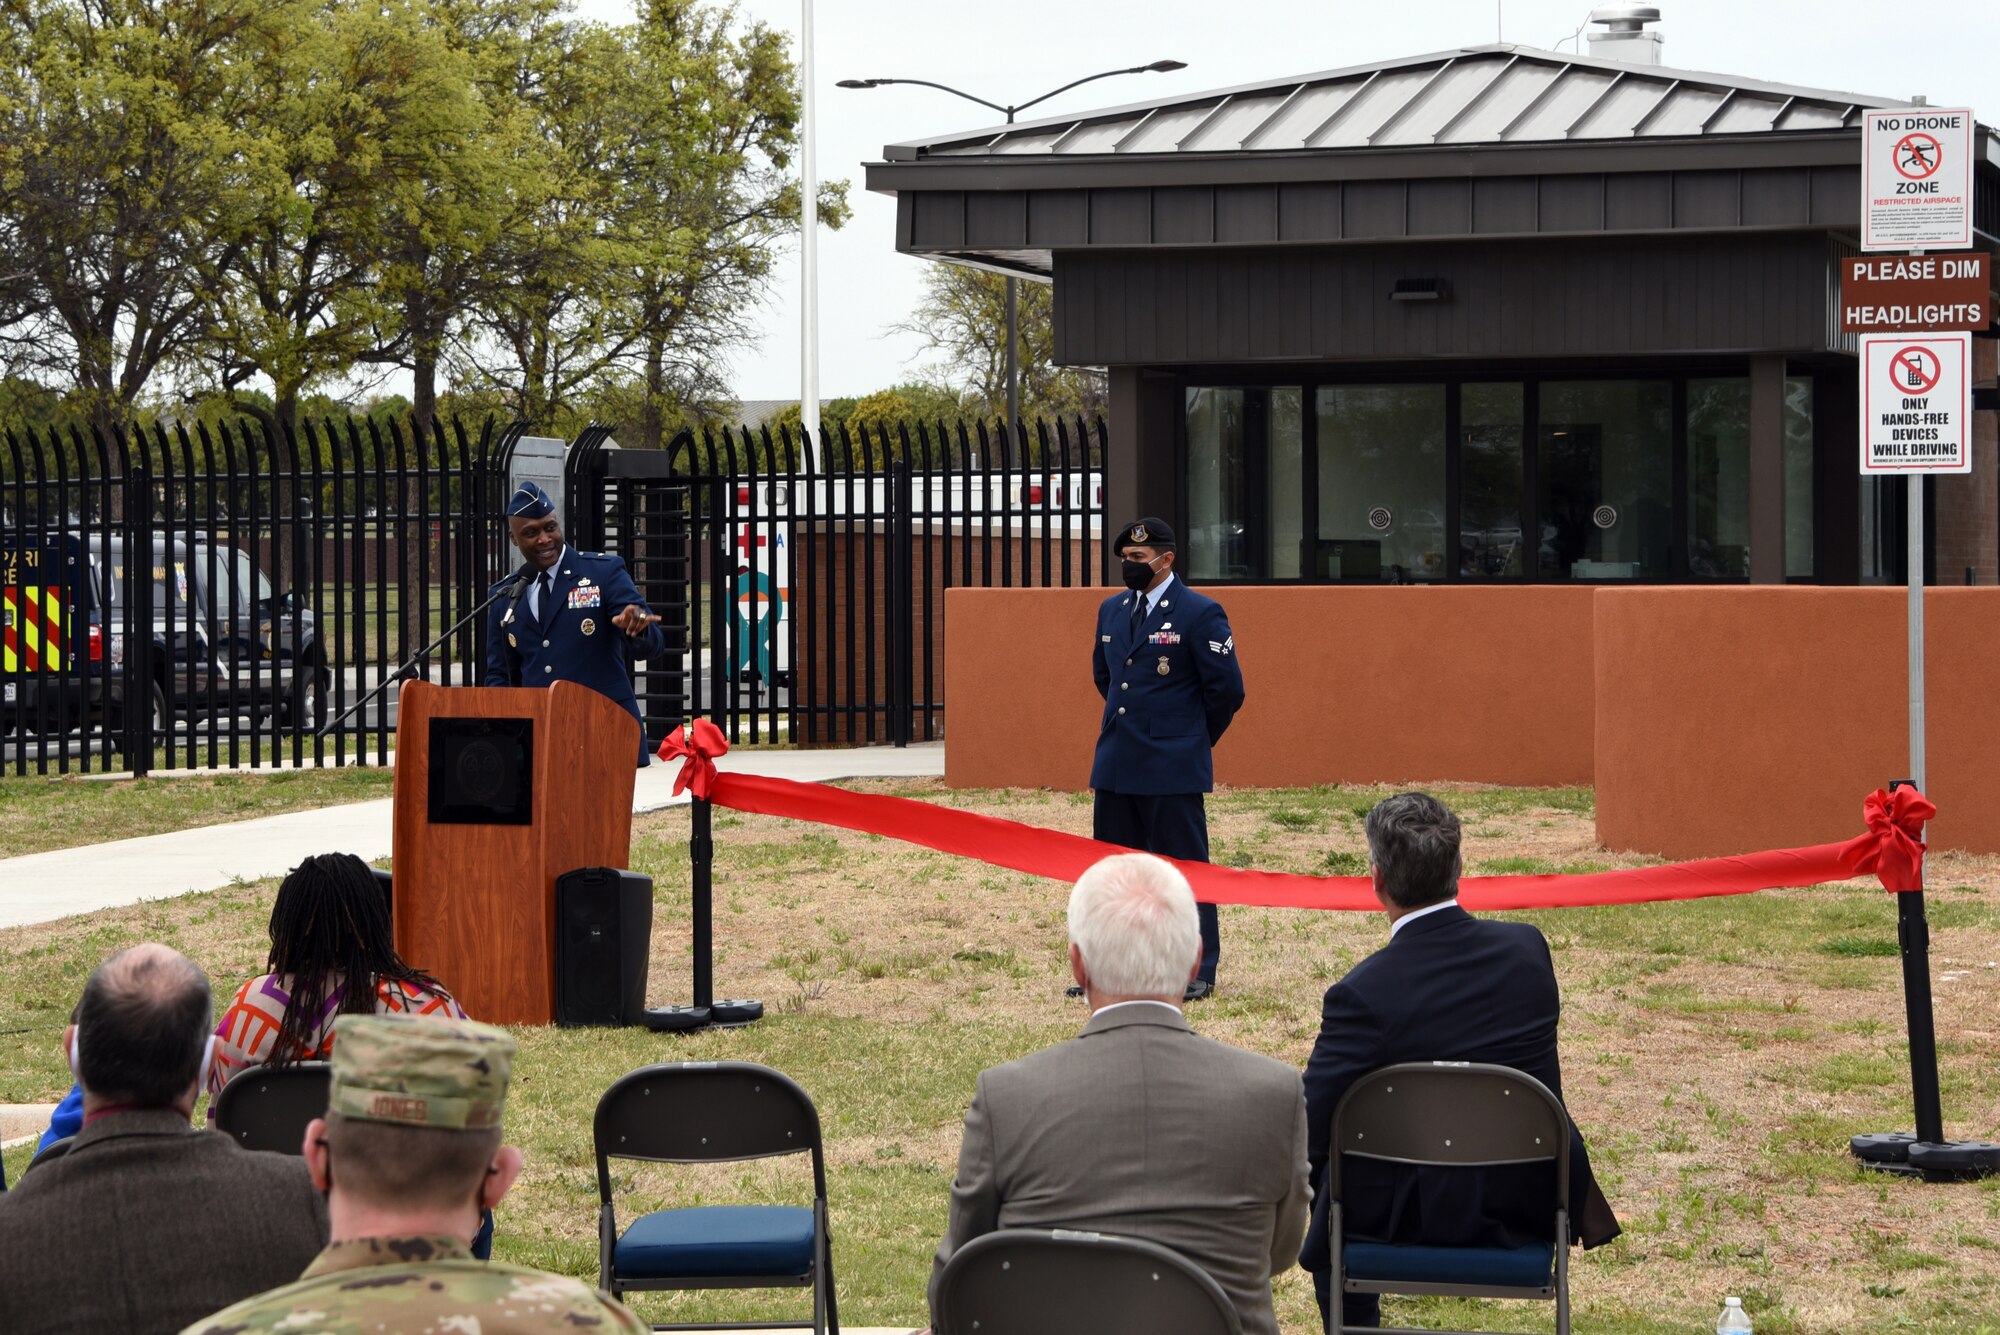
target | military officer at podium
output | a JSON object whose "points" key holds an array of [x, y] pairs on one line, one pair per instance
{"points": [[579, 617], [1165, 663]]}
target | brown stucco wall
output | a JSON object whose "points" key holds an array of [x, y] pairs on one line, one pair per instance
{"points": [[1711, 720], [1344, 685], [1731, 720]]}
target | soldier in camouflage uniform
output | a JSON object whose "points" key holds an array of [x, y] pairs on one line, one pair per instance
{"points": [[410, 1155]]}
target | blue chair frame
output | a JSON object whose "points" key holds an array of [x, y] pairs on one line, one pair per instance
{"points": [[1451, 1114], [711, 1112]]}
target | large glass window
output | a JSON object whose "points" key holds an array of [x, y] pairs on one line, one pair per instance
{"points": [[1718, 435], [1491, 494], [1381, 482], [1799, 477], [1213, 542], [1245, 509], [1604, 458]]}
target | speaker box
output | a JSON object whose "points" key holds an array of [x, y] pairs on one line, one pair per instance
{"points": [[604, 926]]}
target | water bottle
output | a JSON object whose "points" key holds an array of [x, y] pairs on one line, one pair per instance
{"points": [[1734, 1320]]}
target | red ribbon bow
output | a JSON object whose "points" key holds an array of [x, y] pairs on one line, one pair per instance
{"points": [[696, 745], [1896, 822]]}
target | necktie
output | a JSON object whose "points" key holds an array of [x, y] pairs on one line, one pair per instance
{"points": [[544, 591], [1138, 612]]}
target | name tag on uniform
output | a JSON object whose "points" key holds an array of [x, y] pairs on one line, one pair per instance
{"points": [[1164, 637], [585, 596]]}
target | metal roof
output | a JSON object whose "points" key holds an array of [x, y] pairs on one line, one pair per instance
{"points": [[1490, 94]]}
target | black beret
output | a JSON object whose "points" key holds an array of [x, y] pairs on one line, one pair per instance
{"points": [[1151, 531]]}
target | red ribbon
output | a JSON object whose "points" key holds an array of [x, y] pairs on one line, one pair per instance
{"points": [[696, 745], [1892, 849]]}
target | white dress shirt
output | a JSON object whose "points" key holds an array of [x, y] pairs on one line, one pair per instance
{"points": [[1415, 914]]}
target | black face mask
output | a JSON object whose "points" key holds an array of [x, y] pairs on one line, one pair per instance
{"points": [[1138, 574]]}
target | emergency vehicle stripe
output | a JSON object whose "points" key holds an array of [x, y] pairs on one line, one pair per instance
{"points": [[38, 628], [10, 640]]}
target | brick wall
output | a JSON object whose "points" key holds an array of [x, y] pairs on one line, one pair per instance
{"points": [[841, 678], [1967, 507]]}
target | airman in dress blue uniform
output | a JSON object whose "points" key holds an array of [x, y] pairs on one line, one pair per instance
{"points": [[1165, 663], [578, 620]]}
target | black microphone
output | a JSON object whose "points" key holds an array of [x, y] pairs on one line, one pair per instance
{"points": [[521, 582]]}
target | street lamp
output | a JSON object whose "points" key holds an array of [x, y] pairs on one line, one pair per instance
{"points": [[1013, 355]]}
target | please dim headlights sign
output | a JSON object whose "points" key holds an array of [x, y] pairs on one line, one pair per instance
{"points": [[1916, 403]]}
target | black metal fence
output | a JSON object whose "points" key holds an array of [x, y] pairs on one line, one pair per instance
{"points": [[221, 596]]}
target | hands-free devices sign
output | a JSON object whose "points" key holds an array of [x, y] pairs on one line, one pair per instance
{"points": [[1916, 403], [1916, 179]]}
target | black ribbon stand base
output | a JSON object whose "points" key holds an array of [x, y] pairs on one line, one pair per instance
{"points": [[1924, 1153], [706, 1012]]}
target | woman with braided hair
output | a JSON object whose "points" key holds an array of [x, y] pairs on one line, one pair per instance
{"points": [[332, 954]]}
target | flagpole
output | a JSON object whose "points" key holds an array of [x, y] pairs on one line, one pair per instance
{"points": [[809, 247]]}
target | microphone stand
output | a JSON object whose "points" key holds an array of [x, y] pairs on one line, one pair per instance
{"points": [[408, 671]]}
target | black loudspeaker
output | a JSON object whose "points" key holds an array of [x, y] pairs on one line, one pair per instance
{"points": [[604, 927]]}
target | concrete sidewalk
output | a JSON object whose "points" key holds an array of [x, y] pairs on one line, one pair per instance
{"points": [[46, 886]]}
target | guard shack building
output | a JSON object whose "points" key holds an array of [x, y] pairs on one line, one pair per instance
{"points": [[1483, 316]]}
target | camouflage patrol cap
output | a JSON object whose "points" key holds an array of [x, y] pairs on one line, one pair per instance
{"points": [[420, 1070]]}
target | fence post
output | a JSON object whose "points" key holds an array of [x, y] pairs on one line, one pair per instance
{"points": [[137, 538], [902, 595]]}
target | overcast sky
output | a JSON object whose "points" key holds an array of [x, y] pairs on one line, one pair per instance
{"points": [[1014, 50]]}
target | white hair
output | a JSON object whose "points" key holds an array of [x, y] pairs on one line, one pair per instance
{"points": [[1132, 917]]}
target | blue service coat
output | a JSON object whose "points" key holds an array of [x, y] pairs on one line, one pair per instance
{"points": [[1169, 692], [574, 639]]}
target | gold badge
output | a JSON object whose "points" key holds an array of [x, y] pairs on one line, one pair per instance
{"points": [[1139, 534], [512, 643], [1162, 669], [589, 626]]}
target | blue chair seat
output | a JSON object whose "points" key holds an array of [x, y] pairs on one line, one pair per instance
{"points": [[718, 1241], [1519, 1267]]}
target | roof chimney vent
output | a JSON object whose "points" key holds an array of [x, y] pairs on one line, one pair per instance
{"points": [[1625, 36]]}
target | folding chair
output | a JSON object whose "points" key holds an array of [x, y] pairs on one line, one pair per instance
{"points": [[1454, 1114], [713, 1112], [1032, 1281], [268, 1107]]}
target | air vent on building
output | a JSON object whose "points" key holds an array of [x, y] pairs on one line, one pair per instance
{"points": [[1625, 36], [1418, 289]]}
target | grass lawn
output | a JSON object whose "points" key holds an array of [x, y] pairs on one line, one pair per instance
{"points": [[1718, 1054], [39, 814]]}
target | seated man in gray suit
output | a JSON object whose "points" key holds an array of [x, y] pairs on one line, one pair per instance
{"points": [[147, 1224], [1139, 1126]]}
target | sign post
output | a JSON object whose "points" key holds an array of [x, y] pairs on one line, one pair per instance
{"points": [[1912, 312]]}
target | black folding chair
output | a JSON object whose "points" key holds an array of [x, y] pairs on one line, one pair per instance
{"points": [[1032, 1281], [1452, 1114], [714, 1112], [268, 1107]]}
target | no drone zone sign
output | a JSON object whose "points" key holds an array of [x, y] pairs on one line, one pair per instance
{"points": [[1916, 179], [1916, 403]]}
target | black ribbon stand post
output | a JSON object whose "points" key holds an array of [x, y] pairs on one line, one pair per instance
{"points": [[1925, 1154], [705, 1011]]}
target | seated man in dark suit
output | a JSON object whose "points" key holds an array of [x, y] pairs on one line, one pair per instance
{"points": [[1447, 987], [147, 1224]]}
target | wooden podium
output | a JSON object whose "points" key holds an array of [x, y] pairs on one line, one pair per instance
{"points": [[500, 790]]}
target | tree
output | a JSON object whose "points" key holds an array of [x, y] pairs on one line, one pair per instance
{"points": [[670, 191], [359, 106], [963, 318], [125, 126]]}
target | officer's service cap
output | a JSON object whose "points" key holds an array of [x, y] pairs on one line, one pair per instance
{"points": [[420, 1070], [1148, 532], [529, 502]]}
